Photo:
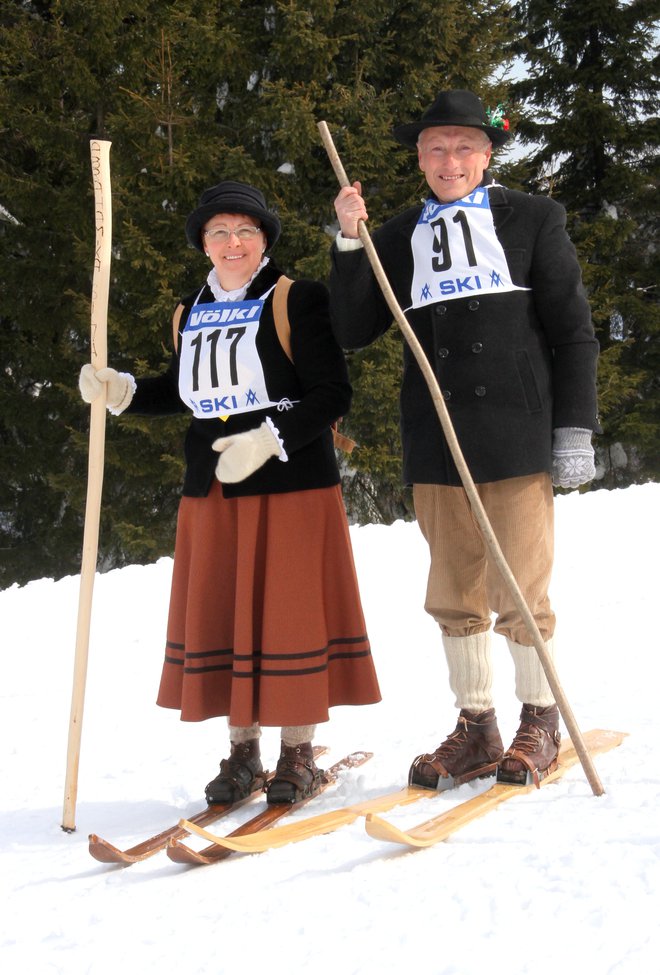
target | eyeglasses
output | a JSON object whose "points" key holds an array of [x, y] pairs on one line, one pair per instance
{"points": [[221, 235]]}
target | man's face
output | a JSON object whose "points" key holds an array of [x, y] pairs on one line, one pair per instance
{"points": [[453, 159]]}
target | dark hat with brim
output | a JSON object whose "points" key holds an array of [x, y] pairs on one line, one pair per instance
{"points": [[231, 197], [455, 107]]}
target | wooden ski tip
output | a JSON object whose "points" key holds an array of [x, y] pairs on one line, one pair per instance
{"points": [[105, 852], [381, 829], [250, 843], [178, 852]]}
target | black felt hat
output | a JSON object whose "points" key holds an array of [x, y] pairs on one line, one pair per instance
{"points": [[231, 197], [456, 107]]}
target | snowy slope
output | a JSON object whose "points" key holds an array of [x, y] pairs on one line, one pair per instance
{"points": [[557, 880]]}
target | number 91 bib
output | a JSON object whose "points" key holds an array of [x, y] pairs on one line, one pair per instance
{"points": [[457, 253], [220, 370]]}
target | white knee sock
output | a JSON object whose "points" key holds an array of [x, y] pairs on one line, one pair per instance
{"points": [[239, 735], [531, 683], [298, 735], [470, 670]]}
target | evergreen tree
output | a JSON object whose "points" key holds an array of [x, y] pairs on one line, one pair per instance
{"points": [[189, 92], [590, 99], [62, 69]]}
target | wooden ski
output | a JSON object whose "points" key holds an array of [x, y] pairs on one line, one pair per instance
{"points": [[223, 846], [257, 839], [105, 852], [440, 827]]}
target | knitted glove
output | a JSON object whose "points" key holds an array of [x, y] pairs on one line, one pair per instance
{"points": [[120, 387], [572, 457], [244, 453]]}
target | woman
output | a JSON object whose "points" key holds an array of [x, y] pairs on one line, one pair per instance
{"points": [[265, 622]]}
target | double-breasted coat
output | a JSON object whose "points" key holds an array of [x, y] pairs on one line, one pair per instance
{"points": [[511, 366]]}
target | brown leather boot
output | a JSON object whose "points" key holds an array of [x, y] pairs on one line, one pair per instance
{"points": [[296, 775], [240, 774], [534, 750], [471, 751]]}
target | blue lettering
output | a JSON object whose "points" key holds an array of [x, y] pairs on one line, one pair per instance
{"points": [[458, 285], [216, 405], [223, 313]]}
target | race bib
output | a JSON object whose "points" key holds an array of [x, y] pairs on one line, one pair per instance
{"points": [[457, 253], [220, 372]]}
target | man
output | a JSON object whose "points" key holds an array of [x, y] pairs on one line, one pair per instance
{"points": [[491, 286]]}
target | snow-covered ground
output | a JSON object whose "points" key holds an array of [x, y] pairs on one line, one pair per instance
{"points": [[557, 880]]}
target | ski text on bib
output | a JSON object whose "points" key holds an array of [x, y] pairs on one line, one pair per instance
{"points": [[457, 253], [220, 371]]}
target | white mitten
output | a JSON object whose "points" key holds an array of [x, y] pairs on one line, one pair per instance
{"points": [[572, 457], [242, 454], [120, 387]]}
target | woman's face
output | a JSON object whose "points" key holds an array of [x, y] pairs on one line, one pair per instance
{"points": [[235, 258]]}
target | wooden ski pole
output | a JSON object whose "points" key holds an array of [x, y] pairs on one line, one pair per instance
{"points": [[467, 481], [100, 158]]}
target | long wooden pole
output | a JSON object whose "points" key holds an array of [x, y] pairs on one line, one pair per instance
{"points": [[100, 158], [467, 481]]}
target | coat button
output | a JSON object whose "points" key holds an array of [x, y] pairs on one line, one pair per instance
{"points": [[480, 391], [443, 353], [473, 305], [477, 347], [440, 309], [446, 394]]}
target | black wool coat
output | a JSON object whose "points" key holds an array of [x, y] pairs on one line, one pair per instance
{"points": [[511, 366], [317, 379]]}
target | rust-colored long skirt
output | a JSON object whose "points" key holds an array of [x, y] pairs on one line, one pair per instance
{"points": [[265, 621]]}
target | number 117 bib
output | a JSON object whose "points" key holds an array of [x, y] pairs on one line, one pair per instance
{"points": [[220, 371]]}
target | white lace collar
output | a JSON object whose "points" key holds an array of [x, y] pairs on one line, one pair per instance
{"points": [[238, 294]]}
